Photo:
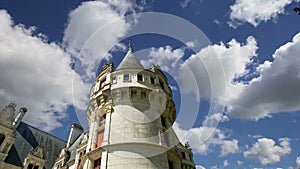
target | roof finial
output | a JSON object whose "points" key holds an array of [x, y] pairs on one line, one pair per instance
{"points": [[129, 45]]}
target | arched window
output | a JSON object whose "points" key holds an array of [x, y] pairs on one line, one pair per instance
{"points": [[2, 137]]}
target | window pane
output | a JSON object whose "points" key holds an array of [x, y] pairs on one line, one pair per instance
{"points": [[126, 77], [152, 80], [140, 77], [114, 79], [2, 137]]}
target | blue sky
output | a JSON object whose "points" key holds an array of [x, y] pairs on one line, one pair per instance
{"points": [[233, 65]]}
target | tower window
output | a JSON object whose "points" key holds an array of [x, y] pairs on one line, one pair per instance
{"points": [[163, 122], [140, 77], [152, 80], [170, 164], [183, 155], [133, 94], [102, 82], [2, 137], [161, 84], [114, 79], [143, 95], [126, 77], [97, 163]]}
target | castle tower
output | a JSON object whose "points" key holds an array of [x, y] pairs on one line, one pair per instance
{"points": [[130, 115]]}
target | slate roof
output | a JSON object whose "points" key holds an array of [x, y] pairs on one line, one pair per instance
{"points": [[130, 61], [29, 137]]}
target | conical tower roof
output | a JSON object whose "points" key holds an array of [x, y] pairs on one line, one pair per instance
{"points": [[130, 61]]}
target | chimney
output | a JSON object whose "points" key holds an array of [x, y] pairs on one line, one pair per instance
{"points": [[19, 117], [76, 131]]}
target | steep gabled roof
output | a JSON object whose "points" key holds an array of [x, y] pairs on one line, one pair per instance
{"points": [[130, 61], [29, 137]]}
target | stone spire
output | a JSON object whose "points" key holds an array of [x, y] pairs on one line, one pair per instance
{"points": [[130, 61]]}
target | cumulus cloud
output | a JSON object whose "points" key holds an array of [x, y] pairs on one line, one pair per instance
{"points": [[199, 167], [267, 152], [36, 74], [229, 146], [239, 163], [256, 11], [298, 162], [166, 57], [184, 3], [203, 138], [275, 89], [226, 163], [214, 167], [94, 28], [222, 63]]}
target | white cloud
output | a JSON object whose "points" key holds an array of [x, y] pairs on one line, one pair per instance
{"points": [[233, 56], [214, 167], [256, 11], [36, 74], [184, 3], [93, 28], [275, 90], [226, 163], [199, 167], [257, 136], [229, 146], [239, 163], [166, 57], [298, 162], [201, 139], [213, 118], [267, 152], [259, 98]]}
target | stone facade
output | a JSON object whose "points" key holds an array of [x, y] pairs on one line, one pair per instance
{"points": [[130, 116]]}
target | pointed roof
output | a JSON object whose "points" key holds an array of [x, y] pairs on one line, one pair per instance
{"points": [[130, 61]]}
